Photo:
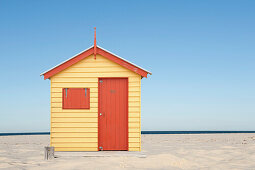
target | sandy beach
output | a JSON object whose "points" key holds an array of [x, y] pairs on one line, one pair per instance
{"points": [[203, 151]]}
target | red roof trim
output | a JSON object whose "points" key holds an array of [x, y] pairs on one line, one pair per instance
{"points": [[89, 52], [122, 62], [68, 63]]}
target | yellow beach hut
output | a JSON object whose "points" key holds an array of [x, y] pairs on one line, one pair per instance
{"points": [[95, 102]]}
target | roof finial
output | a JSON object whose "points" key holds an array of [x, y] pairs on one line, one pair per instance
{"points": [[95, 43]]}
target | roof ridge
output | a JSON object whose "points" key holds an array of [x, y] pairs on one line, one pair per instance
{"points": [[67, 63]]}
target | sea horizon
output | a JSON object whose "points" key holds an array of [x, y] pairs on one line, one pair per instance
{"points": [[142, 132]]}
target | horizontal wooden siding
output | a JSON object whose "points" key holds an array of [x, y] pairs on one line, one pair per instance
{"points": [[77, 130]]}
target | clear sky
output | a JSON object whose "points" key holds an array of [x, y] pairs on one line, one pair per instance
{"points": [[201, 54]]}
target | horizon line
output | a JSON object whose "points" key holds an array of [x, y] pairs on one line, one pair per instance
{"points": [[143, 132]]}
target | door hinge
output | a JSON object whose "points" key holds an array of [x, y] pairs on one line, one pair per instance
{"points": [[100, 81], [101, 148]]}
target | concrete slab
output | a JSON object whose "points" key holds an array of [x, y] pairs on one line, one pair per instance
{"points": [[101, 154]]}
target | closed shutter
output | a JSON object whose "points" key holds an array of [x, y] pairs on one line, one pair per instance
{"points": [[76, 98]]}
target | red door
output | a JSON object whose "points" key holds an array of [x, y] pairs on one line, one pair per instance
{"points": [[113, 114]]}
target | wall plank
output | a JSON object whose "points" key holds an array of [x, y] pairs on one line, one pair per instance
{"points": [[70, 115], [84, 124], [76, 149], [85, 140], [74, 119], [73, 135], [63, 130], [74, 144]]}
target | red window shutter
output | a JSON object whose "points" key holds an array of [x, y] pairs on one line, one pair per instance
{"points": [[85, 98], [76, 98]]}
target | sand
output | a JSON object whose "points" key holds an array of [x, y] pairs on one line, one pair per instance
{"points": [[203, 151]]}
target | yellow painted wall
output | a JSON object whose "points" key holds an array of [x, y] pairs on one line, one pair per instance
{"points": [[77, 130]]}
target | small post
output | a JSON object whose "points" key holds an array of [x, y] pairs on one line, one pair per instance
{"points": [[48, 152]]}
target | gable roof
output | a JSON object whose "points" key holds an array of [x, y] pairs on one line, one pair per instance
{"points": [[84, 54]]}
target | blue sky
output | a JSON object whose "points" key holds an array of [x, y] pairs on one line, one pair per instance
{"points": [[201, 54]]}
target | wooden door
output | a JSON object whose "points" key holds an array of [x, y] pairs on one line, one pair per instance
{"points": [[113, 114]]}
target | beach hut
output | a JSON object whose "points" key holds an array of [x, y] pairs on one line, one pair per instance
{"points": [[95, 102]]}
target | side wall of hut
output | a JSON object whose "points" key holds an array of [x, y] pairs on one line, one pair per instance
{"points": [[77, 129]]}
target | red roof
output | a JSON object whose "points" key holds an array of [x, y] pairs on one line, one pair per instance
{"points": [[89, 52]]}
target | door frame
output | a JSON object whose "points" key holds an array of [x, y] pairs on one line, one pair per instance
{"points": [[98, 92]]}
